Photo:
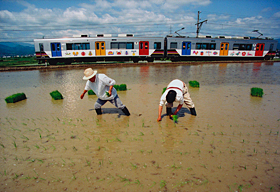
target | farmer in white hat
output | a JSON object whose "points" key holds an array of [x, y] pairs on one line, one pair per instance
{"points": [[100, 84], [176, 91]]}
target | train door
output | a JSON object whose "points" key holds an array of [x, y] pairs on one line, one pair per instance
{"points": [[224, 49], [100, 48], [259, 49], [186, 48], [56, 49], [144, 48]]}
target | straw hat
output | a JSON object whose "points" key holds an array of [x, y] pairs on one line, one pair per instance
{"points": [[89, 73]]}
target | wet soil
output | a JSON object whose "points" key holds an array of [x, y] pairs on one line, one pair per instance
{"points": [[231, 145]]}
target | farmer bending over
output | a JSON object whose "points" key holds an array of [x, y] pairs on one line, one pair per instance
{"points": [[100, 84], [176, 91]]}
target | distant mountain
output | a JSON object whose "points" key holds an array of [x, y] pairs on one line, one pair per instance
{"points": [[14, 49]]}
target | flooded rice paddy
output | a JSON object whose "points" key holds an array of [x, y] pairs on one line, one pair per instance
{"points": [[231, 145]]}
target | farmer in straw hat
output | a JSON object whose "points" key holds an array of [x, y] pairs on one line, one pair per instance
{"points": [[100, 84], [176, 91]]}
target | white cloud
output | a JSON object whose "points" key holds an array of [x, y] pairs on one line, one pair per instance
{"points": [[146, 17], [276, 14]]}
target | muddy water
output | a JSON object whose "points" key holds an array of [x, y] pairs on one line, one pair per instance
{"points": [[231, 145]]}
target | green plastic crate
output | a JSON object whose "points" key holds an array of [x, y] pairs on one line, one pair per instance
{"points": [[194, 83], [15, 98], [258, 92], [90, 92], [56, 95]]}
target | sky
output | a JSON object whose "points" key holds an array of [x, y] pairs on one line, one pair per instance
{"points": [[24, 21]]}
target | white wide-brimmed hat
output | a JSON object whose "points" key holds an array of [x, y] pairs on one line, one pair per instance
{"points": [[89, 73]]}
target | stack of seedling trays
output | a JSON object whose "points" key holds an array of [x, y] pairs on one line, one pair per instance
{"points": [[121, 87], [90, 92], [56, 95], [15, 98], [194, 84], [257, 92]]}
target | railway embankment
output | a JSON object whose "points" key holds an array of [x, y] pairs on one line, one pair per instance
{"points": [[122, 64]]}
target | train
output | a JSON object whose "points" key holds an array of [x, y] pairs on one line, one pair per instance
{"points": [[127, 47]]}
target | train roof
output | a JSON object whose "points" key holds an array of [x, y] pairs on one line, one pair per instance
{"points": [[131, 36]]}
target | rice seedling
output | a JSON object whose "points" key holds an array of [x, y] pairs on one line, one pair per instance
{"points": [[153, 184], [15, 145], [134, 166], [174, 167], [142, 151], [16, 176], [26, 177], [162, 183], [113, 179], [88, 163], [56, 180], [203, 165], [1, 144], [40, 160], [73, 177]]}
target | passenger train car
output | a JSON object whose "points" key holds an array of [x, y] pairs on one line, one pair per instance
{"points": [[126, 47]]}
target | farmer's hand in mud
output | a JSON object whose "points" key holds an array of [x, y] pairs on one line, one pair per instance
{"points": [[158, 119]]}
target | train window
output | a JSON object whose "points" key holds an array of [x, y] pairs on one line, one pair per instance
{"points": [[204, 46], [41, 46], [114, 45], [146, 45], [77, 46], [53, 47], [122, 45], [249, 47], [212, 46], [129, 45], [69, 46], [271, 47], [242, 47], [157, 45], [173, 45], [235, 46], [198, 46]]}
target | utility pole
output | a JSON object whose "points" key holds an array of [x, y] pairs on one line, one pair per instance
{"points": [[199, 24]]}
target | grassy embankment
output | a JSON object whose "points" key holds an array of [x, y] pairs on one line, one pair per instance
{"points": [[28, 61], [18, 61]]}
